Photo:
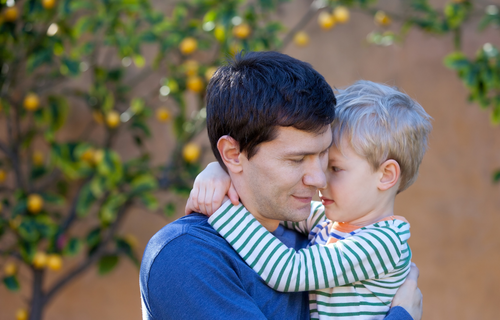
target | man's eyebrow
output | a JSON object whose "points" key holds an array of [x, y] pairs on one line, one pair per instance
{"points": [[304, 153]]}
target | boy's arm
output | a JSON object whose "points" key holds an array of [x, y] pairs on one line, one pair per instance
{"points": [[357, 258], [209, 190], [316, 216]]}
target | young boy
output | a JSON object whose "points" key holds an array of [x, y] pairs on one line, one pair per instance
{"points": [[358, 254]]}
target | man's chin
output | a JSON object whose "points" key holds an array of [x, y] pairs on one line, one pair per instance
{"points": [[300, 214]]}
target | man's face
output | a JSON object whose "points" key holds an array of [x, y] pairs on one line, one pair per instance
{"points": [[284, 174]]}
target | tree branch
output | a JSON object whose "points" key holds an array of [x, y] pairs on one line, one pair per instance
{"points": [[14, 159], [72, 211], [98, 253], [313, 8]]}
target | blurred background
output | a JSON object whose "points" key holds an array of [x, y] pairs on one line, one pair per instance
{"points": [[102, 133]]}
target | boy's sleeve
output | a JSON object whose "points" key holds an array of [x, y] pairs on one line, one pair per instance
{"points": [[316, 216], [367, 255]]}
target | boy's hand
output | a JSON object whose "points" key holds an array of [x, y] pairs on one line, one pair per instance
{"points": [[409, 296], [209, 190]]}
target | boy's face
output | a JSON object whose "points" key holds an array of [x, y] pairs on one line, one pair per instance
{"points": [[351, 194]]}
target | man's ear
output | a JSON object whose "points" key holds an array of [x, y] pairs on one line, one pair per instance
{"points": [[390, 173], [229, 150]]}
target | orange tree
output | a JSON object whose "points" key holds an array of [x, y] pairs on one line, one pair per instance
{"points": [[58, 57], [51, 186]]}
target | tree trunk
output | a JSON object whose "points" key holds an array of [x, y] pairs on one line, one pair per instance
{"points": [[38, 296]]}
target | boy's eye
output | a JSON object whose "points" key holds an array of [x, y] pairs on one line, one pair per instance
{"points": [[335, 169]]}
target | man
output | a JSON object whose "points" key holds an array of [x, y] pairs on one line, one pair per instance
{"points": [[268, 120]]}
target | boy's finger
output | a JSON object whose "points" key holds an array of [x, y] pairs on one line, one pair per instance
{"points": [[233, 195], [217, 199], [208, 200], [414, 273], [201, 200], [193, 197]]}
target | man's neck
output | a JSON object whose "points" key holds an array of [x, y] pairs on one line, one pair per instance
{"points": [[270, 224]]}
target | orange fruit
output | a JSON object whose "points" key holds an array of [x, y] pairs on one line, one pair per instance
{"points": [[341, 14], [31, 102], [10, 269], [98, 157], [191, 152], [195, 84], [35, 203], [210, 73], [10, 14], [54, 262], [3, 175], [88, 155], [301, 39], [382, 19], [242, 31], [22, 314], [48, 4], [40, 260], [38, 158], [113, 119], [162, 114], [191, 67], [188, 45], [326, 21]]}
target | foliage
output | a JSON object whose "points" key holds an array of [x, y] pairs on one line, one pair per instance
{"points": [[60, 58]]}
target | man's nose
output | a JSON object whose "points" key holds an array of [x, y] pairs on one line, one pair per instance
{"points": [[315, 175]]}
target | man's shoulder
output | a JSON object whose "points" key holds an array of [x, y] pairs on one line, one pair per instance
{"points": [[188, 228]]}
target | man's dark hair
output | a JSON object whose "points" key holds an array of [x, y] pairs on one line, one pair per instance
{"points": [[259, 91]]}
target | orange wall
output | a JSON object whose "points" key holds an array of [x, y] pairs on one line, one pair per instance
{"points": [[453, 208]]}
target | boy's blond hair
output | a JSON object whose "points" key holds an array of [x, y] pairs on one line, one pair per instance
{"points": [[382, 123]]}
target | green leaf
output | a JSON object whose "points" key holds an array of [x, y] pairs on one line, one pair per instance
{"points": [[149, 201], [456, 61], [210, 16], [11, 283], [144, 183], [45, 225], [72, 248], [97, 186], [53, 198], [72, 66], [109, 209], [169, 209], [28, 230], [141, 125], [93, 237], [38, 58], [496, 176], [109, 102], [85, 201], [28, 250], [83, 25], [107, 263], [125, 247], [111, 167]]}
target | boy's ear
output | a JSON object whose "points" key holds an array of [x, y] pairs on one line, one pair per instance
{"points": [[391, 172], [229, 150]]}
